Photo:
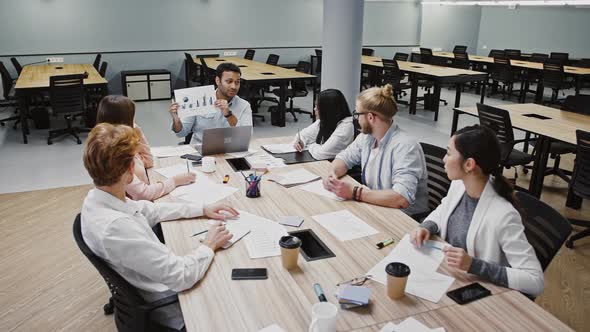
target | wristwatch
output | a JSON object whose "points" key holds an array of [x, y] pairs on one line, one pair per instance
{"points": [[228, 114]]}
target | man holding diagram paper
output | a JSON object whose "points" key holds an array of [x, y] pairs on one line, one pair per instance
{"points": [[205, 108]]}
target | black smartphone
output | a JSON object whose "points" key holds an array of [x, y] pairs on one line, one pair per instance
{"points": [[193, 157], [469, 293], [246, 274]]}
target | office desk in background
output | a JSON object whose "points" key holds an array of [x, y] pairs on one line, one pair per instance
{"points": [[218, 303], [439, 75], [34, 79], [254, 72], [558, 125]]}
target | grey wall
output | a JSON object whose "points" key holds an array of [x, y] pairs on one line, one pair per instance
{"points": [[289, 28], [536, 30], [446, 26]]}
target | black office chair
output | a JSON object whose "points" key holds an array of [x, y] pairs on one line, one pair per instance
{"points": [[399, 56], [499, 121], [560, 56], [297, 90], [67, 97], [249, 54], [494, 53], [512, 54], [533, 76], [502, 72], [427, 57], [438, 182], [206, 75], [191, 70], [580, 183], [103, 69], [368, 51], [461, 60], [16, 65], [9, 96], [393, 75], [553, 77], [545, 229], [132, 312], [96, 63], [460, 49], [585, 81], [273, 59]]}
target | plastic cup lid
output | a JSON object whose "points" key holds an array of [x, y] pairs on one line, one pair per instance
{"points": [[397, 269], [290, 242]]}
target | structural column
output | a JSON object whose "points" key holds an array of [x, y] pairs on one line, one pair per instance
{"points": [[342, 46]]}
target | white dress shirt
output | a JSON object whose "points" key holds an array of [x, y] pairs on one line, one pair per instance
{"points": [[342, 136], [121, 234]]}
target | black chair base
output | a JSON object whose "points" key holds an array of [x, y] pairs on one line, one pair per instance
{"points": [[73, 131], [581, 234], [109, 308]]}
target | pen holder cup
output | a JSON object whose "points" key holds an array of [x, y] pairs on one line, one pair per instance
{"points": [[253, 188]]}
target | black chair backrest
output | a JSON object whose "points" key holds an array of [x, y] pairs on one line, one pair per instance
{"points": [[249, 54], [103, 69], [553, 74], [96, 63], [584, 63], [497, 120], [401, 56], [495, 53], [129, 315], [302, 67], [501, 69], [67, 93], [559, 56], [438, 182], [459, 49], [16, 65], [512, 54], [368, 51], [545, 229], [461, 60], [425, 55], [580, 182], [6, 80], [539, 57], [273, 59], [577, 104], [318, 54], [391, 73]]}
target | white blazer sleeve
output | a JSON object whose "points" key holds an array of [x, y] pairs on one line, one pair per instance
{"points": [[524, 273], [308, 134], [338, 141]]}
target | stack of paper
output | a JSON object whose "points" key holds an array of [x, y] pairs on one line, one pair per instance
{"points": [[317, 188], [237, 229], [344, 225], [423, 281], [264, 159], [203, 190], [174, 170], [196, 101], [409, 325], [172, 151], [354, 296], [280, 148], [294, 178]]}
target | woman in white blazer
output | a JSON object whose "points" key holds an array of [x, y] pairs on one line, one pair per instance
{"points": [[478, 217], [333, 130]]}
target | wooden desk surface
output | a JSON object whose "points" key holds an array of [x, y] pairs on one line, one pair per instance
{"points": [[256, 71], [561, 125], [218, 304], [509, 311], [518, 63], [37, 76], [421, 68]]}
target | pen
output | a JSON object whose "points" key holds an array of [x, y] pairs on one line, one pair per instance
{"points": [[319, 292], [187, 168], [384, 244], [431, 246], [201, 232]]}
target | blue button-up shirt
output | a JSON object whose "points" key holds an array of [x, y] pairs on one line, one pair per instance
{"points": [[197, 123]]}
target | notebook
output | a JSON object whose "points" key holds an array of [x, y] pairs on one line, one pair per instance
{"points": [[354, 296]]}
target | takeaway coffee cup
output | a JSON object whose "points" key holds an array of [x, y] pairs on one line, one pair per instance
{"points": [[289, 251], [397, 277], [208, 164]]}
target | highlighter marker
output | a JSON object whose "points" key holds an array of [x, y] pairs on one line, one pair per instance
{"points": [[384, 244], [319, 292]]}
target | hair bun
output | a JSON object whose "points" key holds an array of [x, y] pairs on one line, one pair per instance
{"points": [[387, 91]]}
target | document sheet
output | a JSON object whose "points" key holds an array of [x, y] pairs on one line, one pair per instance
{"points": [[344, 225]]}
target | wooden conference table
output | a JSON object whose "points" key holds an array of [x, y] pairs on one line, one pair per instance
{"points": [[576, 72], [438, 74], [34, 79], [218, 303], [257, 72], [554, 124]]}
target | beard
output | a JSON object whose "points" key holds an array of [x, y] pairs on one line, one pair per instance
{"points": [[366, 129]]}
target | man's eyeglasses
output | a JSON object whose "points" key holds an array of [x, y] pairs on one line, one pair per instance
{"points": [[355, 114], [356, 281]]}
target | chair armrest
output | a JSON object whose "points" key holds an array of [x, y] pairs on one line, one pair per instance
{"points": [[160, 303]]}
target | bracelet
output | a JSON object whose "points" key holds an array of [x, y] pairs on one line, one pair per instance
{"points": [[354, 190], [360, 194]]}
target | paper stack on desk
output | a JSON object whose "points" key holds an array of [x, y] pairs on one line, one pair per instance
{"points": [[203, 190], [174, 170], [354, 296], [172, 151], [423, 281], [294, 178], [266, 160], [344, 225]]}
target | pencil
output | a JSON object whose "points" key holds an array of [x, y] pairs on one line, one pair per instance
{"points": [[187, 167], [201, 232]]}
